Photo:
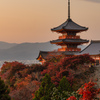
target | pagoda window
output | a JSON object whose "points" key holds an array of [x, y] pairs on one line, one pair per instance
{"points": [[71, 33], [65, 34], [75, 46], [64, 46], [97, 62], [97, 57], [68, 46]]}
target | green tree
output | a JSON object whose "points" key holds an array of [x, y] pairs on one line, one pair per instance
{"points": [[45, 90], [64, 85], [63, 91], [4, 91]]}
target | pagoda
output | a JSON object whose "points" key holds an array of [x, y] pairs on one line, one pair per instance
{"points": [[69, 40]]}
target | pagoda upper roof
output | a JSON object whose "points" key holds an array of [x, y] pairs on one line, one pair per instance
{"points": [[92, 49], [69, 41], [68, 26]]}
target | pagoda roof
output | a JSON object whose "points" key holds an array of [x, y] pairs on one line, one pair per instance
{"points": [[92, 49], [68, 26], [69, 41]]}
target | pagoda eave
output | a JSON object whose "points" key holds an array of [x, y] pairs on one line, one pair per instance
{"points": [[69, 41], [62, 44], [68, 30], [69, 26], [42, 55]]}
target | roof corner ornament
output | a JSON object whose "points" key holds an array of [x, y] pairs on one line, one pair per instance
{"points": [[68, 9]]}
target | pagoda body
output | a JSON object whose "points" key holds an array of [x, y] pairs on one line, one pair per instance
{"points": [[69, 40]]}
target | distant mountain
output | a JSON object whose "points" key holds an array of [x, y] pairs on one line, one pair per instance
{"points": [[5, 45], [24, 51]]}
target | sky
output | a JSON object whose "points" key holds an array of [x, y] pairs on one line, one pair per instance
{"points": [[32, 20]]}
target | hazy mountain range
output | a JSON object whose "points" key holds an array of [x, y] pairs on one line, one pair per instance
{"points": [[24, 51]]}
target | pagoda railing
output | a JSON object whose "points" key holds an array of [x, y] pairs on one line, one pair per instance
{"points": [[69, 49], [69, 37]]}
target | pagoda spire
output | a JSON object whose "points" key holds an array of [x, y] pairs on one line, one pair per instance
{"points": [[68, 9]]}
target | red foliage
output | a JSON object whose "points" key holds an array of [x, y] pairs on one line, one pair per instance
{"points": [[88, 91], [67, 67], [23, 80], [71, 98]]}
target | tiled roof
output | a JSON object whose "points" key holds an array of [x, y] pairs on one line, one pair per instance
{"points": [[70, 41], [69, 25], [92, 49], [46, 54]]}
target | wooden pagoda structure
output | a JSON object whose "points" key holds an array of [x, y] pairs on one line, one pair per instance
{"points": [[69, 40]]}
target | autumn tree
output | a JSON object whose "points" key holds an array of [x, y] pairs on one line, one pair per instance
{"points": [[4, 91], [88, 91], [71, 67]]}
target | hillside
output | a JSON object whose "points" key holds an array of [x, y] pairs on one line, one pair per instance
{"points": [[24, 51], [24, 80]]}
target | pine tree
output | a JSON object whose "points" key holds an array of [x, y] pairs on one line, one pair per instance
{"points": [[4, 91], [45, 90], [64, 85]]}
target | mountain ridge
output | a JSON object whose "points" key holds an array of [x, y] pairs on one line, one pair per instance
{"points": [[24, 51]]}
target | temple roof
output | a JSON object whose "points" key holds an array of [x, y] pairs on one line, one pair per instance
{"points": [[68, 26], [92, 49], [49, 54], [69, 41]]}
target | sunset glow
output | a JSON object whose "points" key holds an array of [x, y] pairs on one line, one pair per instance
{"points": [[32, 20]]}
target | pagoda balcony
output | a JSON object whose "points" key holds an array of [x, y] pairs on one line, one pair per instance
{"points": [[62, 49], [69, 37], [69, 49]]}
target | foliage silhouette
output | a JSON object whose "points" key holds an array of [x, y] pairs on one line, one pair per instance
{"points": [[4, 91]]}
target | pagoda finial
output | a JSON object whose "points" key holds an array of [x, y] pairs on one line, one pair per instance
{"points": [[68, 9]]}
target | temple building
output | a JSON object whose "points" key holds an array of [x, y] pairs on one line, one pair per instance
{"points": [[93, 49], [69, 40]]}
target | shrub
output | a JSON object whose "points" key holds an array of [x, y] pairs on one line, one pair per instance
{"points": [[4, 91], [87, 92]]}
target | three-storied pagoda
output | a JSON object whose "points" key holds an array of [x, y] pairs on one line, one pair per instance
{"points": [[69, 40]]}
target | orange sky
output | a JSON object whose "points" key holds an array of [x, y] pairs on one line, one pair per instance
{"points": [[31, 20]]}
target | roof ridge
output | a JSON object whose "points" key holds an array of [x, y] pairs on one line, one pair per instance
{"points": [[95, 41], [85, 47]]}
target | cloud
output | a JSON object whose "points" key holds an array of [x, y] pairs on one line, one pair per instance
{"points": [[97, 1]]}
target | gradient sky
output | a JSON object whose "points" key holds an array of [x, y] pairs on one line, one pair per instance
{"points": [[31, 20]]}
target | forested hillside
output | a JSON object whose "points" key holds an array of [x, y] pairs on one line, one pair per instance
{"points": [[61, 72]]}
